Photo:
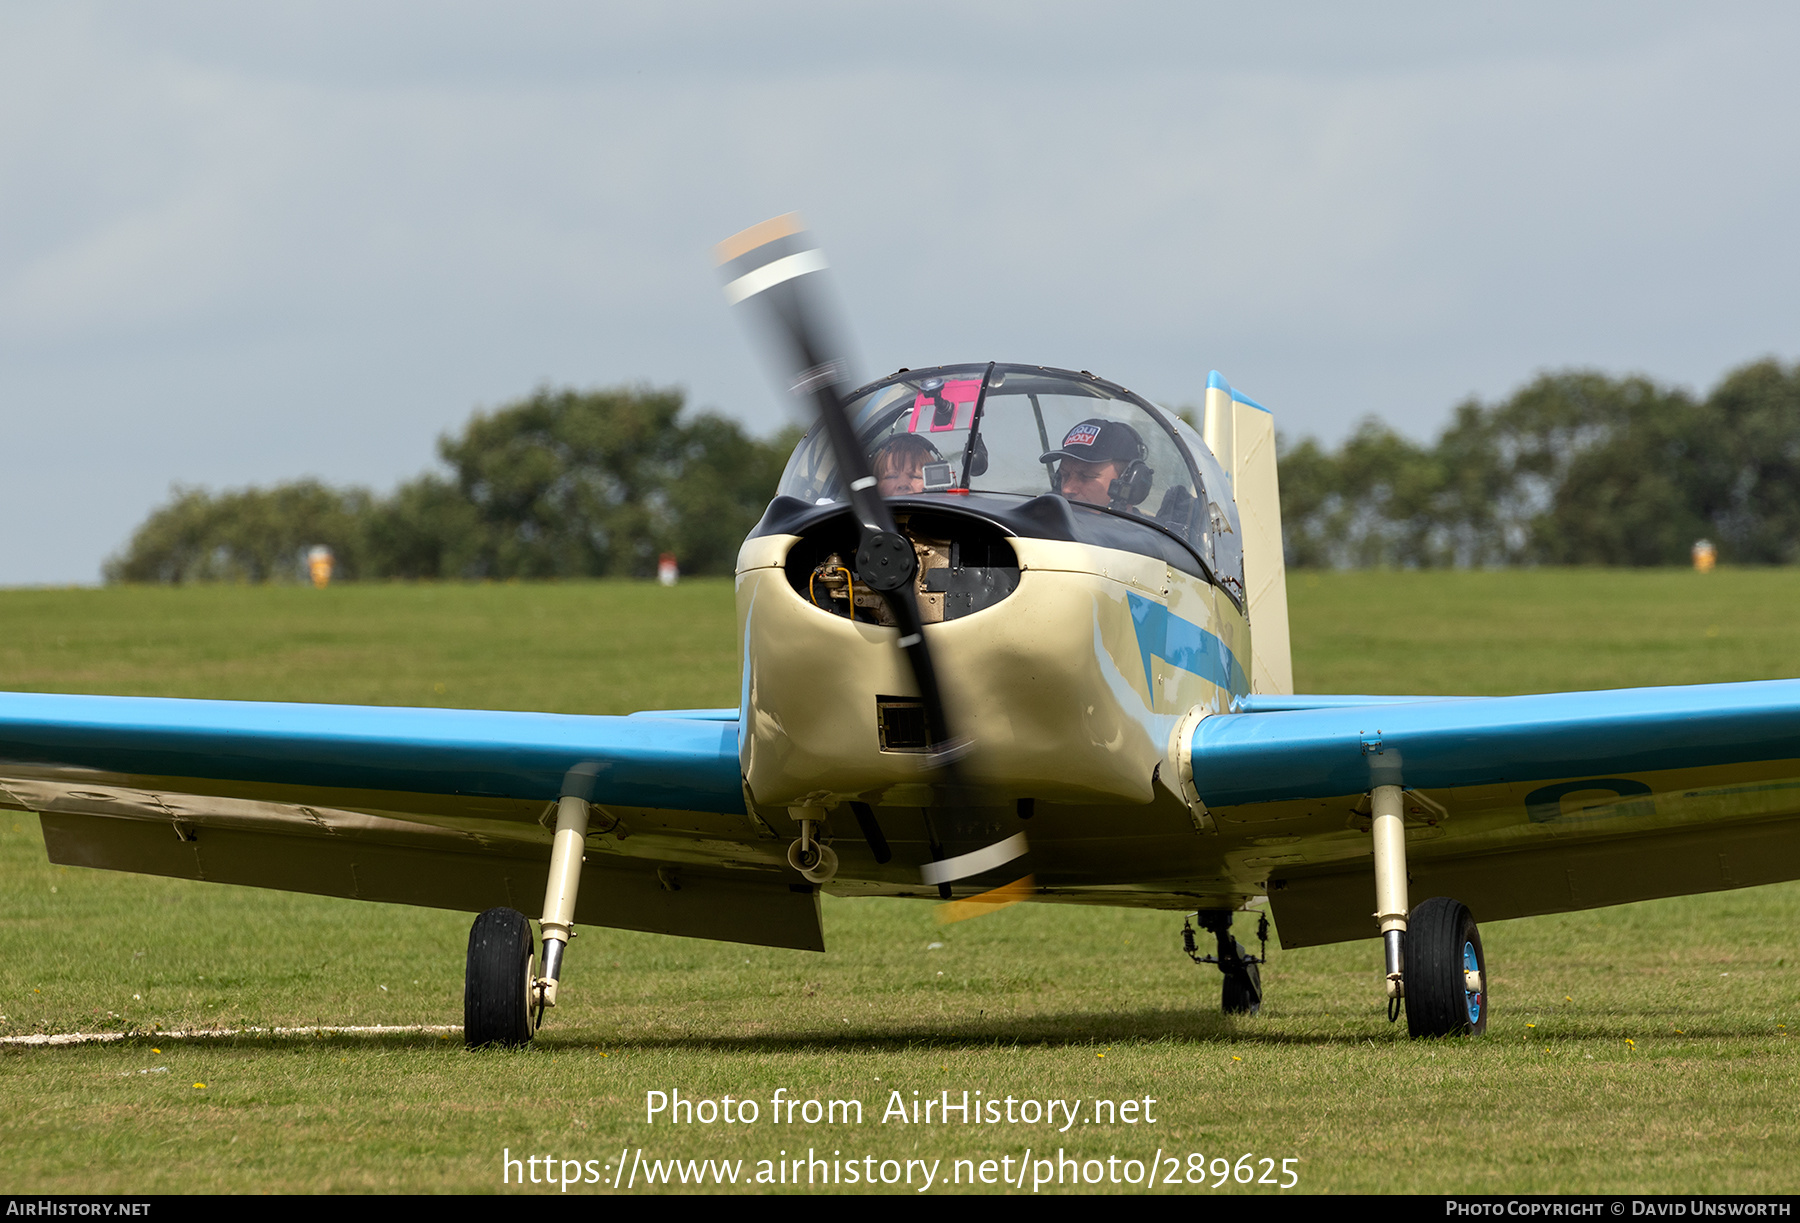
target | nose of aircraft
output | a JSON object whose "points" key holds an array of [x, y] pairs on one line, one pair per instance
{"points": [[777, 273]]}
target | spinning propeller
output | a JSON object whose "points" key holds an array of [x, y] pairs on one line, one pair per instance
{"points": [[775, 271], [774, 268]]}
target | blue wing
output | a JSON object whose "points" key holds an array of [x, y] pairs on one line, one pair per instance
{"points": [[441, 807], [1517, 805]]}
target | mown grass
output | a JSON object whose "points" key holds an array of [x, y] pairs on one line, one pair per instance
{"points": [[1642, 1048], [556, 647], [1500, 632]]}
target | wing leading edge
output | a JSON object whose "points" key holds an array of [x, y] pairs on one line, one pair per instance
{"points": [[439, 807], [676, 762], [1517, 805]]}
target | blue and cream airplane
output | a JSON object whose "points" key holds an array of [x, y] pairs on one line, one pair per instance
{"points": [[1009, 634]]}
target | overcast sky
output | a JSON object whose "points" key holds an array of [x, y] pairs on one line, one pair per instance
{"points": [[247, 243]]}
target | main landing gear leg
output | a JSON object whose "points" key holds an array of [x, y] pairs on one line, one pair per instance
{"points": [[1436, 968], [1388, 804], [1241, 993], [503, 996]]}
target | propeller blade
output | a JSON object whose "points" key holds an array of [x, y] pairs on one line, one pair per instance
{"points": [[1003, 866], [776, 273], [775, 270]]}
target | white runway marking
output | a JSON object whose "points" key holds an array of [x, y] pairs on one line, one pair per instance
{"points": [[95, 1038]]}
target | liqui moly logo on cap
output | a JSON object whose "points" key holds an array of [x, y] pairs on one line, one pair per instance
{"points": [[1081, 435]]}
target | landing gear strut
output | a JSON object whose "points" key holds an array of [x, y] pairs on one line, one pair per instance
{"points": [[1242, 990], [816, 861], [504, 998], [1436, 970], [1388, 824]]}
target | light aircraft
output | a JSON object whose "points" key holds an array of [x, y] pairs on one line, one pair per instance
{"points": [[1009, 634]]}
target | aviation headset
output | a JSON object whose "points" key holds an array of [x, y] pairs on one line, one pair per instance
{"points": [[1133, 484]]}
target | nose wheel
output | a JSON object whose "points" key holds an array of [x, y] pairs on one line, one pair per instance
{"points": [[1241, 993]]}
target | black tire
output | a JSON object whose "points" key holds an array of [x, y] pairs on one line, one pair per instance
{"points": [[1441, 942], [1242, 991], [497, 985]]}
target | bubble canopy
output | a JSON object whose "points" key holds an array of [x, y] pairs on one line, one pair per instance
{"points": [[1025, 431]]}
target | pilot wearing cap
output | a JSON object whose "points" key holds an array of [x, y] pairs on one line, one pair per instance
{"points": [[1101, 462]]}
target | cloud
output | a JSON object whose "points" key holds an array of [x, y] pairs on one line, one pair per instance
{"points": [[244, 244]]}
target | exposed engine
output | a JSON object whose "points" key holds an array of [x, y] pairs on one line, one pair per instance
{"points": [[965, 565]]}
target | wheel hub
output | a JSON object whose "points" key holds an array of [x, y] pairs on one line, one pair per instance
{"points": [[1472, 984]]}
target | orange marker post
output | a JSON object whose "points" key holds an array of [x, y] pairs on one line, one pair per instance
{"points": [[318, 564]]}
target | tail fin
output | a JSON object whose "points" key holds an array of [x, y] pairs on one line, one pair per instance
{"points": [[1241, 434]]}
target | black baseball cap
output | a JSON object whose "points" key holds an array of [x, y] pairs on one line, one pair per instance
{"points": [[1097, 440]]}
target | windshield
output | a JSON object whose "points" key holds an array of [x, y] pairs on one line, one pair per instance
{"points": [[1017, 430]]}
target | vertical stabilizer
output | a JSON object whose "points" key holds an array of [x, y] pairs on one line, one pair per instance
{"points": [[1241, 434]]}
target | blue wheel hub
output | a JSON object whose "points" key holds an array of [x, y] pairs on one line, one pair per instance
{"points": [[1471, 963]]}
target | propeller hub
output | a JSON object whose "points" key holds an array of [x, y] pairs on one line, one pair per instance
{"points": [[885, 561]]}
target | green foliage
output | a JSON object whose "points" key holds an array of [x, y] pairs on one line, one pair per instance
{"points": [[730, 480], [253, 535], [1369, 504], [566, 484], [1575, 468], [562, 484], [1755, 483], [1622, 464], [427, 529]]}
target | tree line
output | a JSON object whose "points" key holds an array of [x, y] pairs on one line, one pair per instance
{"points": [[1574, 468], [562, 484]]}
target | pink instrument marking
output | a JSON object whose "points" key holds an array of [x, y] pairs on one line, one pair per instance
{"points": [[960, 394]]}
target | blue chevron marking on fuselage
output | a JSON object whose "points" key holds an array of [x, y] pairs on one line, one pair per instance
{"points": [[1182, 643]]}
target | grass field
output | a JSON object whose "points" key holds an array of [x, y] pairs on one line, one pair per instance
{"points": [[1637, 1049]]}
